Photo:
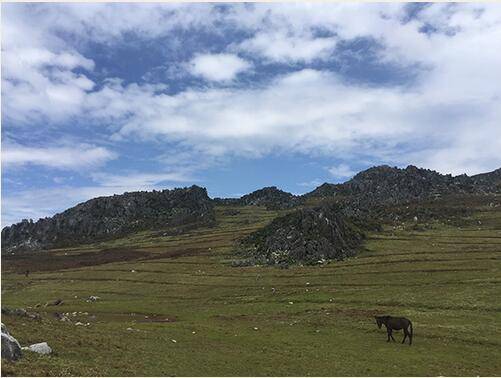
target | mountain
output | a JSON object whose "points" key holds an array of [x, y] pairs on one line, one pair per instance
{"points": [[111, 217], [385, 184], [361, 201]]}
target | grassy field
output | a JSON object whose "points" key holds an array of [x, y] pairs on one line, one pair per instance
{"points": [[179, 308]]}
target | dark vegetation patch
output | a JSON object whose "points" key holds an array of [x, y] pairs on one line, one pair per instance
{"points": [[49, 261], [37, 262]]}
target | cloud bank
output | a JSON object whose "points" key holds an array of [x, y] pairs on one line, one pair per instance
{"points": [[252, 80]]}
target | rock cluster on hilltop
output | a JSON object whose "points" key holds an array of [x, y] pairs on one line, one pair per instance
{"points": [[110, 217], [489, 182], [271, 197], [384, 184], [309, 235]]}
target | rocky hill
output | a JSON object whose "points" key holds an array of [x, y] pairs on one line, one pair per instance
{"points": [[271, 197], [309, 235], [389, 185], [110, 217]]}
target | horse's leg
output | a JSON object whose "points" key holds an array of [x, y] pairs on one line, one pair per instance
{"points": [[390, 333], [405, 335]]}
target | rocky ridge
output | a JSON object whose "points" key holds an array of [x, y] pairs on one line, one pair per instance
{"points": [[111, 217]]}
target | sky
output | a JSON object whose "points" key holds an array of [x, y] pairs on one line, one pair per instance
{"points": [[100, 99]]}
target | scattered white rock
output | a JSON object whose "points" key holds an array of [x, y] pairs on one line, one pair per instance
{"points": [[255, 328], [174, 341], [291, 302], [79, 323], [133, 271], [93, 298], [193, 332], [41, 348]]}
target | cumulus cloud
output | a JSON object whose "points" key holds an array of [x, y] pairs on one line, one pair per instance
{"points": [[140, 180], [341, 171], [308, 111], [218, 67], [286, 48], [74, 157]]}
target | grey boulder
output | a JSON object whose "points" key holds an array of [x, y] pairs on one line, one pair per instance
{"points": [[11, 350]]}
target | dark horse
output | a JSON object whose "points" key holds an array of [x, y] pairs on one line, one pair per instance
{"points": [[392, 323]]}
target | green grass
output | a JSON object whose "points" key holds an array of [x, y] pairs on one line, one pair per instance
{"points": [[445, 279]]}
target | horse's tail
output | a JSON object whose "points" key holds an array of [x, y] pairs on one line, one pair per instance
{"points": [[411, 333]]}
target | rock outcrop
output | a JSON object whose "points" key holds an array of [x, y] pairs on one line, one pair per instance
{"points": [[271, 197], [384, 184], [111, 217], [309, 235], [490, 181]]}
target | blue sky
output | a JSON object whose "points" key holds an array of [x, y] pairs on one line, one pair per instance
{"points": [[100, 99]]}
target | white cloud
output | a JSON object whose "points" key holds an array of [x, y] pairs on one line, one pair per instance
{"points": [[218, 67], [456, 96], [140, 180], [311, 184], [74, 157], [284, 47], [341, 171]]}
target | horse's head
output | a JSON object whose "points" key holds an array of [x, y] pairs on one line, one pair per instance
{"points": [[379, 321]]}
